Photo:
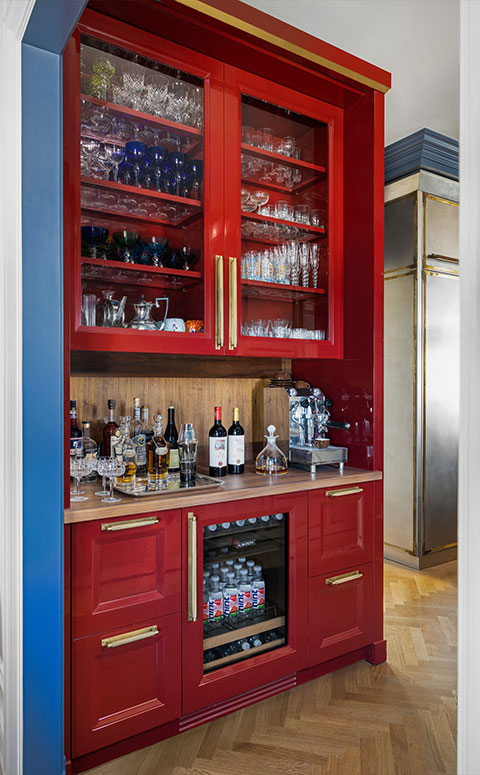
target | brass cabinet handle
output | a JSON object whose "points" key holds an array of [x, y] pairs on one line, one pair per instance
{"points": [[128, 523], [129, 637], [219, 321], [335, 580], [345, 491], [232, 306], [192, 567]]}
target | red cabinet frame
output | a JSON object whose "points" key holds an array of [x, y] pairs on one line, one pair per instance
{"points": [[199, 689]]}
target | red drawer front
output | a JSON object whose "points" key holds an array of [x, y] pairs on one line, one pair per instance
{"points": [[122, 576], [122, 690], [340, 527], [340, 613]]}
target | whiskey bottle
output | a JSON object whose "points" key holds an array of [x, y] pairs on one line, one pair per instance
{"points": [[76, 440], [109, 429], [126, 451], [236, 445], [217, 457], [146, 424], [138, 438], [171, 435], [90, 449], [158, 454]]}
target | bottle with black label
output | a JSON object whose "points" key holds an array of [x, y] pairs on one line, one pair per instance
{"points": [[171, 435], [109, 429], [138, 438], [76, 436], [236, 445], [217, 454]]}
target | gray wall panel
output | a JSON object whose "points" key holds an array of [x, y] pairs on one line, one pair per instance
{"points": [[400, 233]]}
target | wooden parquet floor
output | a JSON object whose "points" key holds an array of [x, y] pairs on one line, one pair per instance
{"points": [[394, 719]]}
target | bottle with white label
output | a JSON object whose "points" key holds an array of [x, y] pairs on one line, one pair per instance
{"points": [[217, 453], [258, 591], [236, 445], [230, 598], [215, 602], [206, 577], [244, 595], [223, 576]]}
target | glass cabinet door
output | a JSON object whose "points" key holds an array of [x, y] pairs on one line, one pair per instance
{"points": [[285, 221], [145, 243], [247, 577]]}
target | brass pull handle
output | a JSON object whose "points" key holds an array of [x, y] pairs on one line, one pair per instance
{"points": [[129, 637], [345, 491], [192, 567], [219, 320], [336, 580], [232, 306], [128, 523]]}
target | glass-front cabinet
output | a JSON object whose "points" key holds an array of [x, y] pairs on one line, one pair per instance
{"points": [[245, 596], [209, 204]]}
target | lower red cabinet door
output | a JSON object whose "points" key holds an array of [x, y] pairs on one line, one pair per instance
{"points": [[340, 613], [124, 682]]}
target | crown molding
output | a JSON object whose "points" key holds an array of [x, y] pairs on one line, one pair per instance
{"points": [[422, 150]]}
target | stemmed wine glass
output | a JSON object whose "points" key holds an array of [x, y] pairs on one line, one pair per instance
{"points": [[89, 148], [135, 153], [103, 466], [195, 167], [80, 467], [115, 469], [157, 154], [314, 262], [178, 162], [103, 71], [134, 83], [304, 262], [116, 154]]}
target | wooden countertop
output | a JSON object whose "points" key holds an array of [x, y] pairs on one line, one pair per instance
{"points": [[248, 485]]}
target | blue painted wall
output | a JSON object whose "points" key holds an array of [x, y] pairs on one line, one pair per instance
{"points": [[47, 33]]}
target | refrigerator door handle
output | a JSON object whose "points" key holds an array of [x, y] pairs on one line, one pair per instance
{"points": [[192, 567]]}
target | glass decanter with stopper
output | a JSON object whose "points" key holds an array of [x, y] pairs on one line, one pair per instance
{"points": [[271, 460], [125, 450], [158, 454]]}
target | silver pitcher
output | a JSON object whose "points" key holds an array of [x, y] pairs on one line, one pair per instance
{"points": [[143, 320], [113, 310]]}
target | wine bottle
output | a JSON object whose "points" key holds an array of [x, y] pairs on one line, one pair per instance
{"points": [[217, 457], [76, 435], [109, 429], [171, 435], [236, 445]]}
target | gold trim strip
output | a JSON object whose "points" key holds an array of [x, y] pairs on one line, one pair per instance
{"points": [[130, 637], [127, 524], [441, 199], [411, 552], [345, 491], [399, 269], [444, 258], [258, 32], [441, 548], [233, 302], [437, 271], [192, 567], [334, 581], [411, 273], [219, 320]]}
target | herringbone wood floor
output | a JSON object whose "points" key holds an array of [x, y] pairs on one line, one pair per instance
{"points": [[393, 719]]}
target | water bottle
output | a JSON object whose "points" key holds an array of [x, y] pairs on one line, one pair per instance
{"points": [[279, 517], [230, 598], [206, 577], [215, 567], [252, 521], [265, 519], [242, 560], [240, 522], [250, 567], [212, 528], [229, 563], [258, 591], [243, 645], [225, 525], [270, 636], [244, 596], [237, 567], [215, 602], [223, 576], [255, 642]]}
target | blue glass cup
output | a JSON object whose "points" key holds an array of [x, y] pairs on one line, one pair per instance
{"points": [[135, 153], [195, 168], [94, 237], [178, 162], [156, 248]]}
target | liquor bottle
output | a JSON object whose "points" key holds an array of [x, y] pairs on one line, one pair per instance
{"points": [[146, 424], [90, 449], [126, 450], [217, 457], [157, 454], [138, 438], [236, 445], [109, 429], [171, 435], [76, 440]]}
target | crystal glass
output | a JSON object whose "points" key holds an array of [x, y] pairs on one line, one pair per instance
{"points": [[103, 71], [127, 241], [178, 162], [79, 467], [89, 149], [89, 309], [116, 154], [156, 248], [304, 262], [94, 237], [134, 154], [315, 262], [103, 465], [134, 83], [115, 469], [187, 453], [195, 167]]}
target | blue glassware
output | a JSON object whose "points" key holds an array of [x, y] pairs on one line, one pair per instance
{"points": [[156, 248], [195, 167], [156, 156], [93, 237], [135, 153], [125, 170], [178, 161]]}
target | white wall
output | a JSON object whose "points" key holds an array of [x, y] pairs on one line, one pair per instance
{"points": [[416, 40]]}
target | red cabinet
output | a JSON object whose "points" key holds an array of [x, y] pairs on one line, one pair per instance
{"points": [[125, 570], [125, 681], [226, 658], [340, 527], [340, 613]]}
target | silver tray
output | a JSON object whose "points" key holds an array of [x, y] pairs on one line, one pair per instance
{"points": [[171, 486]]}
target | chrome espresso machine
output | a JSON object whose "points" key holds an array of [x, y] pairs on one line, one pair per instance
{"points": [[308, 421]]}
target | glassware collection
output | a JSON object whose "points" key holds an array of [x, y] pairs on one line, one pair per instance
{"points": [[284, 264], [118, 203], [131, 248], [257, 201]]}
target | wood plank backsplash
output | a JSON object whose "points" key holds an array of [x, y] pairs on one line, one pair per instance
{"points": [[194, 400]]}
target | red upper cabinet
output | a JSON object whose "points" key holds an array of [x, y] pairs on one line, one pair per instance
{"points": [[201, 197], [284, 224]]}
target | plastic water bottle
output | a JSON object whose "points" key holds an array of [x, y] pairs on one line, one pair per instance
{"points": [[229, 563], [250, 567], [223, 576], [225, 525], [237, 567], [230, 598], [258, 591], [279, 517], [265, 519], [243, 645], [240, 522], [206, 577], [242, 561], [244, 596], [215, 566], [212, 528], [215, 602], [252, 521], [255, 642]]}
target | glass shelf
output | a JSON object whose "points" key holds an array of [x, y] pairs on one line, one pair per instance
{"points": [[260, 289], [119, 272]]}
